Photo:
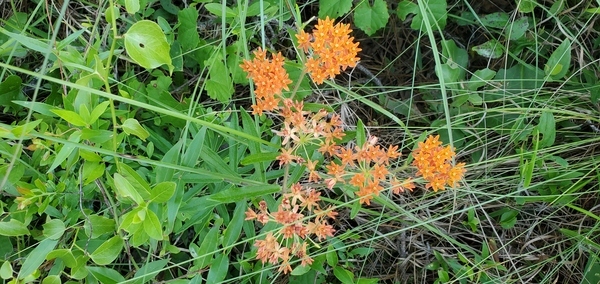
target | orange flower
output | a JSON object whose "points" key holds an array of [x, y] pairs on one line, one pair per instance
{"points": [[333, 50], [270, 79], [433, 163]]}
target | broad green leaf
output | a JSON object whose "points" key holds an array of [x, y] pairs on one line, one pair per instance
{"points": [[36, 257], [26, 128], [509, 219], [259, 158], [152, 226], [331, 256], [558, 63], [525, 6], [406, 8], [13, 228], [38, 107], [132, 126], [65, 255], [149, 271], [106, 275], [497, 20], [132, 6], [480, 78], [345, 276], [162, 192], [187, 33], [6, 271], [437, 15], [98, 111], [518, 28], [547, 127], [54, 229], [208, 247], [490, 49], [371, 18], [92, 171], [98, 226], [217, 10], [218, 269], [136, 180], [70, 116], [334, 8], [147, 45], [233, 230], [10, 90], [361, 135], [108, 251], [65, 151], [52, 279], [300, 270], [220, 85], [125, 189], [30, 43], [235, 194]]}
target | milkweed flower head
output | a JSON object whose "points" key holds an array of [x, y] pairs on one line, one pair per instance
{"points": [[331, 49], [434, 164], [290, 238], [270, 79]]}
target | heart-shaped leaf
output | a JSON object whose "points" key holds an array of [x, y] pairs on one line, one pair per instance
{"points": [[147, 45]]}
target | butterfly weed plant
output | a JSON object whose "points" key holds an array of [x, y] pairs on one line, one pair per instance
{"points": [[313, 141]]}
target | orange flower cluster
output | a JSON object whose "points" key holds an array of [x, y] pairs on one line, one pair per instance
{"points": [[301, 129], [368, 167], [333, 50], [269, 77], [293, 231], [433, 162]]}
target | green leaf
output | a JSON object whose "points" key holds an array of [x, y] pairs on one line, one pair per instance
{"points": [[558, 63], [162, 192], [147, 45], [10, 89], [218, 269], [98, 226], [525, 6], [518, 28], [235, 194], [233, 230], [98, 111], [13, 228], [132, 6], [220, 85], [6, 271], [480, 78], [66, 255], [437, 15], [361, 135], [217, 10], [52, 279], [70, 116], [108, 251], [187, 33], [125, 189], [65, 151], [331, 256], [406, 8], [371, 18], [30, 43], [209, 246], [489, 49], [26, 128], [152, 226], [334, 8], [509, 219], [497, 20], [54, 229], [132, 126], [345, 276], [106, 275], [547, 127], [259, 158], [36, 257], [92, 171], [149, 271]]}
